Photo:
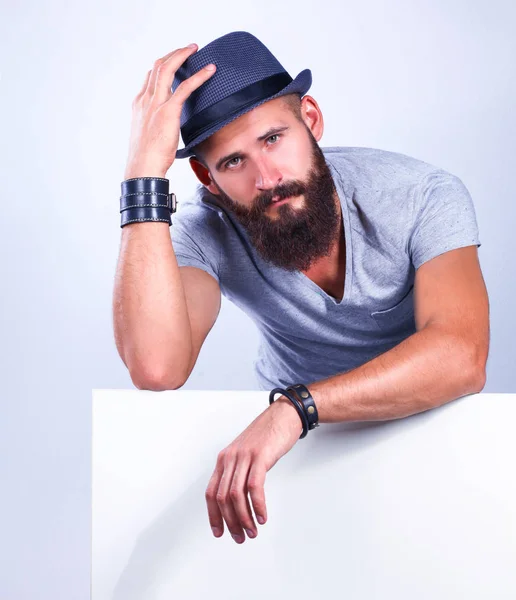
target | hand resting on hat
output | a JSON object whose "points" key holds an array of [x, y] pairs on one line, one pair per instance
{"points": [[156, 115]]}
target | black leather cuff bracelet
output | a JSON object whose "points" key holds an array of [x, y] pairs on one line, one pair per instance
{"points": [[146, 199], [298, 406], [310, 410]]}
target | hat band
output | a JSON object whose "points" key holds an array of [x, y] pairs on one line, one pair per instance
{"points": [[232, 104]]}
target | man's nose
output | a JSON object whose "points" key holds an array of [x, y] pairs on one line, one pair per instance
{"points": [[268, 176]]}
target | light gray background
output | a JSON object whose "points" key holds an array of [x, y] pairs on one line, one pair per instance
{"points": [[433, 79]]}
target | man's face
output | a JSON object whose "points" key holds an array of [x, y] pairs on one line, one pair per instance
{"points": [[269, 171]]}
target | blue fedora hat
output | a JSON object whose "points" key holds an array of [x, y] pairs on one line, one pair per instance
{"points": [[247, 75]]}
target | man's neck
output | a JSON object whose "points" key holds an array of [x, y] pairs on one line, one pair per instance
{"points": [[331, 268]]}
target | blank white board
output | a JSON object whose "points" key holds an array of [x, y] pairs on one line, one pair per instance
{"points": [[422, 507]]}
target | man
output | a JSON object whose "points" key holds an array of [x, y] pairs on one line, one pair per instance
{"points": [[359, 266]]}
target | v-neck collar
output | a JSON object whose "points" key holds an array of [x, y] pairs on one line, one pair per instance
{"points": [[304, 279]]}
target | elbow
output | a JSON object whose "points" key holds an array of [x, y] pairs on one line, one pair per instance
{"points": [[159, 377], [481, 354], [477, 376], [479, 379], [157, 381]]}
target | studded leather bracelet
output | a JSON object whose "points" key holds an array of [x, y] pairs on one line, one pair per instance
{"points": [[308, 403], [300, 397]]}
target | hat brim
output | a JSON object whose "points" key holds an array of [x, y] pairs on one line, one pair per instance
{"points": [[301, 84]]}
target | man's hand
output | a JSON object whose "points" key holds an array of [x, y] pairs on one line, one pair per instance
{"points": [[241, 469], [156, 115]]}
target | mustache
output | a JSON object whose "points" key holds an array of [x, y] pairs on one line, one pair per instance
{"points": [[285, 190]]}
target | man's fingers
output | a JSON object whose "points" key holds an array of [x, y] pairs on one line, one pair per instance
{"points": [[253, 531], [163, 73], [186, 87], [149, 87], [255, 487], [151, 84], [225, 501], [238, 496], [214, 514]]}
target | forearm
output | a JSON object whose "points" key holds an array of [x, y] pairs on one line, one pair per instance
{"points": [[150, 315], [427, 369]]}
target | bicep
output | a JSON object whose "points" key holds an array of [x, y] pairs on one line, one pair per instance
{"points": [[450, 293], [203, 300]]}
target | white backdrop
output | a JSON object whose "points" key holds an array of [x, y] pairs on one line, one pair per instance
{"points": [[428, 78]]}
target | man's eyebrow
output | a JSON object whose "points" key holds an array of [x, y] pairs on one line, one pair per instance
{"points": [[271, 131]]}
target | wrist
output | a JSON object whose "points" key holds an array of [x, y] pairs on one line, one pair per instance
{"points": [[288, 413], [146, 198], [144, 171]]}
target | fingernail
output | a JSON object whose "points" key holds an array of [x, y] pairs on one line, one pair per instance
{"points": [[260, 519], [250, 533], [238, 538], [210, 67], [216, 531], [191, 45]]}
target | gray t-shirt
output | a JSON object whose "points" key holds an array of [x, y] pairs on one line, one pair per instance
{"points": [[398, 212]]}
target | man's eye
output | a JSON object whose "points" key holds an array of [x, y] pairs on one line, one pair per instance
{"points": [[230, 162], [274, 135]]}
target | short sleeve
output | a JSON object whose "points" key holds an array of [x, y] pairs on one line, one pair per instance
{"points": [[445, 218], [194, 231]]}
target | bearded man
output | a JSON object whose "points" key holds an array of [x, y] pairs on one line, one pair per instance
{"points": [[359, 266]]}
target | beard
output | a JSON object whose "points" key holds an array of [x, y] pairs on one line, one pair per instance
{"points": [[295, 237]]}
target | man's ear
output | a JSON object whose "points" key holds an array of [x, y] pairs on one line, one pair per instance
{"points": [[312, 116], [203, 174]]}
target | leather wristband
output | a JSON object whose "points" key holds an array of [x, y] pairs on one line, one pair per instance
{"points": [[297, 405], [146, 199], [308, 403]]}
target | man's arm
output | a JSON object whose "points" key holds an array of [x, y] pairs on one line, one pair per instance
{"points": [[444, 360], [159, 321], [162, 312]]}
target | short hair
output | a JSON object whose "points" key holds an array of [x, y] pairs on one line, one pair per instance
{"points": [[293, 102]]}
